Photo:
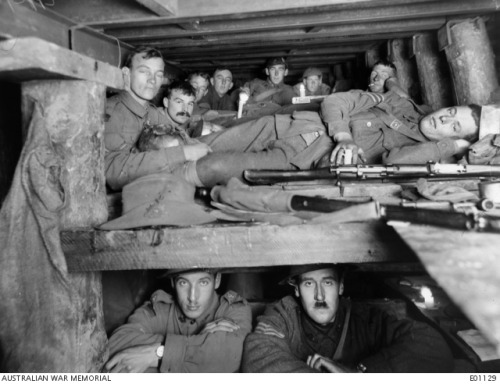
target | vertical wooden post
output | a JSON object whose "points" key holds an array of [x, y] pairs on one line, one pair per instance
{"points": [[433, 72], [73, 115], [407, 69], [471, 60], [52, 320]]}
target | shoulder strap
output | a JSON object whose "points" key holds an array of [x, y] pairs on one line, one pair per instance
{"points": [[340, 345]]}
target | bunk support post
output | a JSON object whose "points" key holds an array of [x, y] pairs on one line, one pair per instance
{"points": [[471, 60], [433, 71]]}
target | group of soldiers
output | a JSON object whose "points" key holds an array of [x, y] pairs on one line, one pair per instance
{"points": [[198, 330]]}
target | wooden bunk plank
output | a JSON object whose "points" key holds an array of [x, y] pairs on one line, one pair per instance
{"points": [[232, 246], [30, 58], [160, 7], [467, 266]]}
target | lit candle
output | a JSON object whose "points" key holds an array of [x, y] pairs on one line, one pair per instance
{"points": [[241, 103], [302, 90], [428, 298]]}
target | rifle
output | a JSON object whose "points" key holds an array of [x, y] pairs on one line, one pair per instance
{"points": [[373, 171], [343, 211]]}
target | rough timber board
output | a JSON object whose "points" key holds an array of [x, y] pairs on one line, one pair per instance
{"points": [[467, 266], [30, 58], [232, 246]]}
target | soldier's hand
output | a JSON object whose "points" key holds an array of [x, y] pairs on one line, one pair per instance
{"points": [[266, 329], [324, 364], [194, 152], [134, 359], [462, 146], [209, 128], [344, 149], [220, 325]]}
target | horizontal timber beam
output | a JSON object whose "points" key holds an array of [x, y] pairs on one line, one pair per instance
{"points": [[232, 246], [20, 20], [365, 31], [30, 58], [189, 10], [316, 20]]}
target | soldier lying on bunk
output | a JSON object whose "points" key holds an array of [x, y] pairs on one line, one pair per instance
{"points": [[318, 331], [197, 330], [388, 128]]}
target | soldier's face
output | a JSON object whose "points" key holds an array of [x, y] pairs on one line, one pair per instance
{"points": [[378, 76], [144, 78], [222, 82], [312, 83], [179, 106], [319, 293], [452, 122], [277, 73], [200, 85], [195, 292]]}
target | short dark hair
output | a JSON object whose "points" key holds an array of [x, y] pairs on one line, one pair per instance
{"points": [[476, 115], [386, 63], [184, 86], [204, 75], [145, 52], [220, 69]]}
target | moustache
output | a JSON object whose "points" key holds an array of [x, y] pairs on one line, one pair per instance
{"points": [[187, 114], [320, 304]]}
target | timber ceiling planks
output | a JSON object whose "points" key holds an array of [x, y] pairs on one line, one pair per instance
{"points": [[241, 34]]}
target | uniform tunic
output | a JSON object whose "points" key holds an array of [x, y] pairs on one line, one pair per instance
{"points": [[125, 119], [323, 89], [282, 95], [214, 102], [294, 141], [161, 320], [385, 126], [379, 341]]}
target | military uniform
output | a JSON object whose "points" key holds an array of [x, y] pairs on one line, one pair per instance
{"points": [[214, 102], [125, 119], [377, 340], [161, 320], [385, 126], [282, 95], [294, 141], [323, 89]]}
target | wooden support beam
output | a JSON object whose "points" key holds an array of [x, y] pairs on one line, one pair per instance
{"points": [[433, 72], [30, 58], [231, 246], [160, 7], [59, 183], [466, 265], [103, 13], [471, 61], [301, 33], [398, 53], [21, 21], [313, 22]]}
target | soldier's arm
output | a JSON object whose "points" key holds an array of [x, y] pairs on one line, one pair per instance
{"points": [[438, 151], [123, 162], [218, 351]]}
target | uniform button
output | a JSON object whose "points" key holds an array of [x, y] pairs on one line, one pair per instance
{"points": [[369, 124], [316, 134]]}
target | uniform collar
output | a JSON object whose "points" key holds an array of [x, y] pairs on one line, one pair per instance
{"points": [[134, 106], [280, 85]]}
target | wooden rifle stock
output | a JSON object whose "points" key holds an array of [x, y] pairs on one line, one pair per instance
{"points": [[471, 221], [373, 171]]}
